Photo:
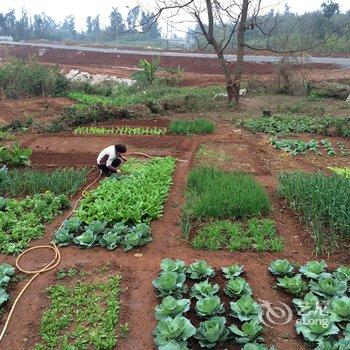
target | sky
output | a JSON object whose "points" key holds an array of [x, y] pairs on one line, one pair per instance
{"points": [[83, 8]]}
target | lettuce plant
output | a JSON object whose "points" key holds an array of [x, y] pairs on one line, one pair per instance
{"points": [[294, 285], [245, 308], [255, 346], [328, 286], [342, 273], [176, 265], [340, 309], [203, 290], [313, 269], [170, 283], [138, 236], [86, 240], [308, 303], [63, 237], [200, 270], [250, 332], [316, 326], [170, 307], [211, 306], [173, 332], [212, 332], [232, 271], [236, 287], [281, 267]]}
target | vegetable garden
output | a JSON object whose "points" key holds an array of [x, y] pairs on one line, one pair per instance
{"points": [[224, 224]]}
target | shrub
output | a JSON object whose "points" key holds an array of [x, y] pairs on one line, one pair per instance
{"points": [[324, 203], [212, 193], [188, 127]]}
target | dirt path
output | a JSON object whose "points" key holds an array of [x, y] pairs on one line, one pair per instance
{"points": [[139, 267]]}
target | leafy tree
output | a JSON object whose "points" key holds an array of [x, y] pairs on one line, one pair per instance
{"points": [[330, 8], [89, 24], [117, 25]]}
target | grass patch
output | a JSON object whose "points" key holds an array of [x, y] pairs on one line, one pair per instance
{"points": [[82, 317], [255, 234], [22, 221], [188, 127], [284, 124], [61, 181], [213, 193], [323, 202]]}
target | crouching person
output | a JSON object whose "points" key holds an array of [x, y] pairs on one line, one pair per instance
{"points": [[110, 159]]}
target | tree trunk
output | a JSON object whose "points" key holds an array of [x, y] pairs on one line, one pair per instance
{"points": [[236, 85], [230, 88]]}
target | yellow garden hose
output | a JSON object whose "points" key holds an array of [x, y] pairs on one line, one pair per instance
{"points": [[57, 255]]}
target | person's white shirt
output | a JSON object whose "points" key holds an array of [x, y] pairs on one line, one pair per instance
{"points": [[110, 151]]}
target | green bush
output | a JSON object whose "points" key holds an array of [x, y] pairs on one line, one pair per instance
{"points": [[61, 181], [284, 124], [323, 202], [212, 193], [187, 127], [19, 78]]}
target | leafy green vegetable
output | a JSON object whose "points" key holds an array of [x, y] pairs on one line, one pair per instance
{"points": [[232, 271], [315, 326], [140, 235], [310, 302], [313, 269], [3, 296], [250, 332], [245, 308], [328, 286], [236, 287], [340, 308], [257, 347], [170, 307], [15, 155], [212, 332], [72, 225], [62, 237], [169, 265], [294, 285], [111, 239], [6, 272], [342, 273], [96, 227], [3, 202], [203, 290], [86, 239], [200, 270], [210, 306], [175, 331], [281, 267], [170, 283]]}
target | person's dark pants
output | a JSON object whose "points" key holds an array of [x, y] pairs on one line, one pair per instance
{"points": [[107, 172]]}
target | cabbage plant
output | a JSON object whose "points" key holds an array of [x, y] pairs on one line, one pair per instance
{"points": [[72, 225], [170, 283], [211, 306], [245, 308], [111, 239], [6, 272], [172, 333], [204, 289], [86, 240], [255, 346], [340, 308], [313, 269], [96, 227], [212, 332], [342, 273], [328, 286], [3, 203], [3, 296], [281, 267], [316, 326], [200, 270], [63, 237], [170, 307], [169, 265], [138, 236], [294, 285], [308, 303], [236, 287], [249, 332], [232, 271]]}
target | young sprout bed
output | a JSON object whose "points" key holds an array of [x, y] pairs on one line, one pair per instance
{"points": [[194, 310], [119, 211], [321, 301], [123, 130]]}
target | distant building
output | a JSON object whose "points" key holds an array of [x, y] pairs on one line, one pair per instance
{"points": [[179, 43], [6, 38]]}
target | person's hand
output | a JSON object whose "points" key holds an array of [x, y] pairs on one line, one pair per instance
{"points": [[118, 171]]}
